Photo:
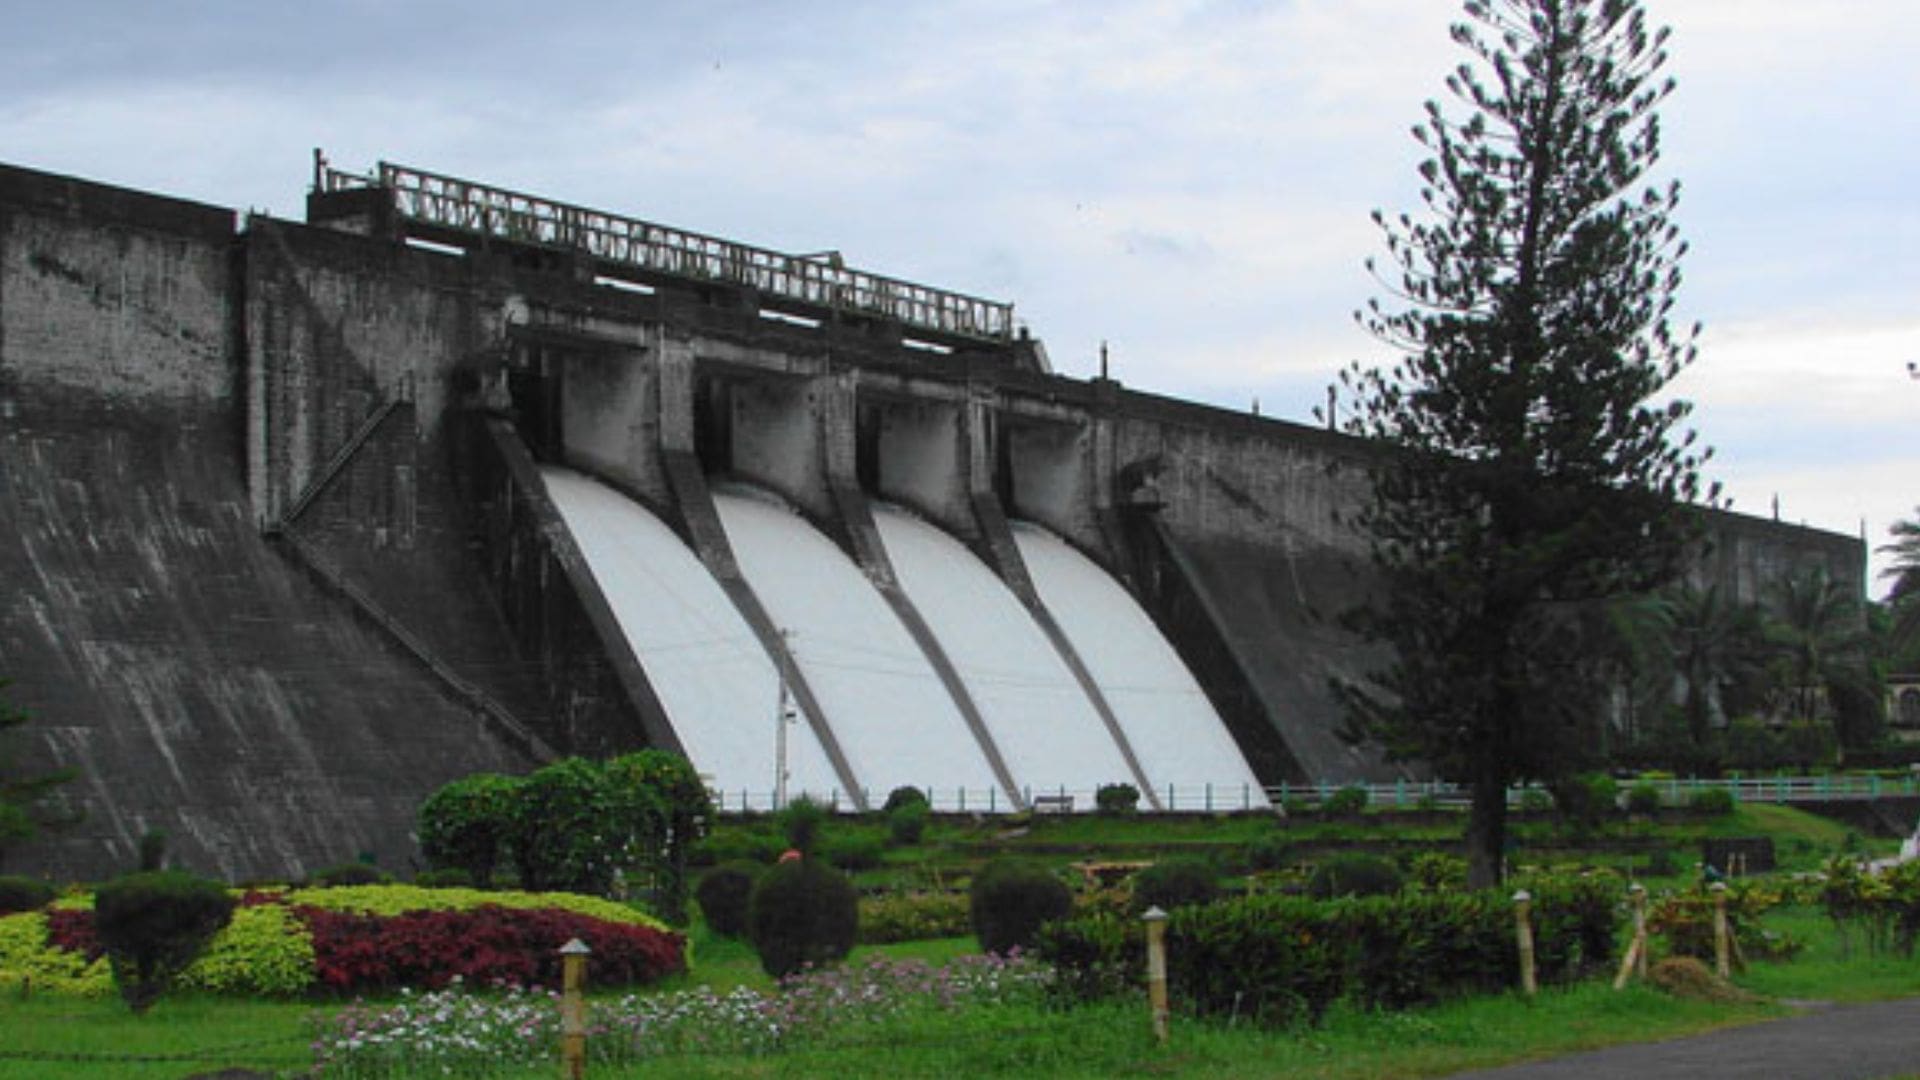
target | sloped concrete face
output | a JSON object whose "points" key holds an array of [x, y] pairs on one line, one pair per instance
{"points": [[201, 679]]}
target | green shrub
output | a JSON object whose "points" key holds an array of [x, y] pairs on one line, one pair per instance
{"points": [[153, 925], [465, 825], [450, 878], [1116, 798], [1354, 874], [738, 845], [1584, 802], [1643, 798], [1347, 802], [860, 851], [353, 873], [913, 917], [569, 829], [724, 894], [904, 796], [1711, 802], [1009, 901], [907, 823], [1534, 801], [1435, 871], [670, 811], [1173, 883], [24, 894], [1269, 853], [801, 823], [802, 913], [1284, 960]]}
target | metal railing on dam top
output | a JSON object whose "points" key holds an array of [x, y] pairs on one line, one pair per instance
{"points": [[464, 206], [1228, 798]]}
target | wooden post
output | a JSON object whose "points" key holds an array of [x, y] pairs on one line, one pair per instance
{"points": [[1523, 925], [1721, 965], [1156, 921], [573, 1009], [1635, 962]]}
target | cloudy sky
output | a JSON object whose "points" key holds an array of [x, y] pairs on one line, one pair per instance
{"points": [[1189, 182]]}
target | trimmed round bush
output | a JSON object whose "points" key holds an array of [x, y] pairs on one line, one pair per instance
{"points": [[907, 823], [906, 795], [1116, 798], [153, 925], [724, 894], [1010, 900], [23, 894], [1173, 883], [802, 913], [1354, 874]]}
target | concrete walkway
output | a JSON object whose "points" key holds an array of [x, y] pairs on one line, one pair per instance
{"points": [[1838, 1042]]}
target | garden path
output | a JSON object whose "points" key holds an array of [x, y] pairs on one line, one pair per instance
{"points": [[1837, 1042]]}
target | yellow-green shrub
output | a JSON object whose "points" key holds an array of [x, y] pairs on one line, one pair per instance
{"points": [[400, 899], [26, 957], [264, 950]]}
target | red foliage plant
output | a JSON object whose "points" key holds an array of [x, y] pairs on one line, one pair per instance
{"points": [[72, 931], [484, 946]]}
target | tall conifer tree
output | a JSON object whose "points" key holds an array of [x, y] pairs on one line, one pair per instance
{"points": [[1533, 474]]}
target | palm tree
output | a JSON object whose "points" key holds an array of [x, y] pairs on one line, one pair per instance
{"points": [[1904, 597], [1719, 651], [1820, 633]]}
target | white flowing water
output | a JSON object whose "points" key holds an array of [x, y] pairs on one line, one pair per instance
{"points": [[716, 683], [1177, 737], [892, 715], [1046, 728]]}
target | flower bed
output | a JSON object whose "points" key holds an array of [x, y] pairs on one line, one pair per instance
{"points": [[285, 943], [456, 1030]]}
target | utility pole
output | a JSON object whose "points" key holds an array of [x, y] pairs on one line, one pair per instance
{"points": [[782, 716]]}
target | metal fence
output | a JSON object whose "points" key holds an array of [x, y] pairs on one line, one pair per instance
{"points": [[1204, 798], [818, 282]]}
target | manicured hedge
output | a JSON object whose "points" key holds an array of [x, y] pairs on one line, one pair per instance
{"points": [[286, 943], [1284, 960]]}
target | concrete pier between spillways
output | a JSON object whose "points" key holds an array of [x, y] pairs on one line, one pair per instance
{"points": [[282, 561]]}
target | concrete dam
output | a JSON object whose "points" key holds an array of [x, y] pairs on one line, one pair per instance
{"points": [[299, 521]]}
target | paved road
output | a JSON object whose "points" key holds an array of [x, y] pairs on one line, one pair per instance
{"points": [[1841, 1042]]}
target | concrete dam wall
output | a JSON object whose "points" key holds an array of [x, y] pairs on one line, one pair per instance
{"points": [[303, 520]]}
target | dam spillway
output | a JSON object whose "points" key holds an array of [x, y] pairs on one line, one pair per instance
{"points": [[715, 681], [1039, 715], [272, 509], [878, 692], [1178, 737]]}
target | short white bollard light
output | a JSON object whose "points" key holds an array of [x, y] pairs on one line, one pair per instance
{"points": [[1523, 928], [573, 1009], [1156, 921]]}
